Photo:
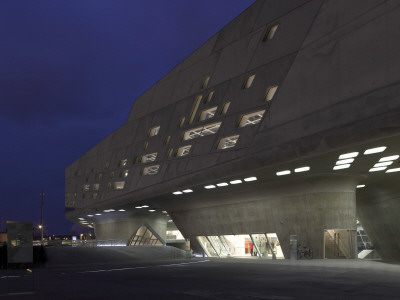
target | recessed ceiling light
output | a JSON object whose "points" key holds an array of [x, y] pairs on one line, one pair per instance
{"points": [[222, 184], [374, 150], [188, 191], [345, 161], [177, 193], [377, 169], [98, 214], [302, 169], [280, 173], [388, 158], [151, 210], [250, 179], [138, 207], [211, 186], [121, 209], [81, 218], [393, 170], [90, 216], [348, 155], [382, 164], [237, 181], [164, 212], [360, 186], [341, 167], [169, 221], [145, 206]]}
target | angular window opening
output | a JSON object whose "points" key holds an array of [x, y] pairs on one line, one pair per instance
{"points": [[228, 142], [169, 154], [270, 93], [252, 118], [167, 139], [181, 122], [149, 157], [94, 195], [85, 187], [154, 131], [124, 173], [144, 237], [225, 108], [270, 33], [195, 108], [106, 165], [201, 131], [150, 170], [182, 151], [123, 162], [249, 81], [118, 185], [208, 113], [96, 186], [209, 96], [145, 145], [100, 176], [206, 79]]}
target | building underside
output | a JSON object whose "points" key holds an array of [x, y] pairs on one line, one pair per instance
{"points": [[285, 123]]}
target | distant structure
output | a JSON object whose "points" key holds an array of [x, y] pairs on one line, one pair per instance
{"points": [[285, 123]]}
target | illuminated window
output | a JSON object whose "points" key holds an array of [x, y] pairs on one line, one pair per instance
{"points": [[94, 195], [169, 154], [251, 119], [154, 131], [201, 131], [150, 170], [225, 108], [208, 113], [149, 157], [249, 81], [124, 173], [118, 185], [270, 93], [122, 162], [194, 108], [85, 187], [167, 139], [96, 186], [228, 142], [109, 185], [107, 165], [145, 145], [205, 81], [182, 151], [270, 33], [209, 96], [100, 176], [181, 122]]}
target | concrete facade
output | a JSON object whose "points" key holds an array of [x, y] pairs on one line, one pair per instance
{"points": [[325, 81]]}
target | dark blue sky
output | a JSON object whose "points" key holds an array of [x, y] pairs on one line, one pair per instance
{"points": [[69, 73]]}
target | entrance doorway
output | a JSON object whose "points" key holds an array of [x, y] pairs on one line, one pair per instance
{"points": [[340, 243]]}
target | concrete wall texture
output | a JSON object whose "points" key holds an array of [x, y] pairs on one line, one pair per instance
{"points": [[335, 64]]}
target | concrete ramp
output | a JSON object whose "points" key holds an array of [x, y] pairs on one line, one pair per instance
{"points": [[87, 255]]}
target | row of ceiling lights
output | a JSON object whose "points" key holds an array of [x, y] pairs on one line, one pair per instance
{"points": [[221, 184]]}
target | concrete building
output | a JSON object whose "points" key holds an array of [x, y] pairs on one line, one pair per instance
{"points": [[286, 122]]}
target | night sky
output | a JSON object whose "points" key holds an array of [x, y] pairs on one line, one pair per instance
{"points": [[69, 74]]}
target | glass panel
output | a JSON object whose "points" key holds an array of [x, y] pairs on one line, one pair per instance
{"points": [[252, 118], [151, 170], [206, 245], [182, 151], [270, 93], [228, 142], [149, 157], [154, 131], [208, 113], [218, 245], [260, 241], [275, 246], [118, 185], [145, 237], [239, 245], [249, 81], [201, 131]]}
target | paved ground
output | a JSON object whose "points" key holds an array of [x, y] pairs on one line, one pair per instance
{"points": [[207, 279]]}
